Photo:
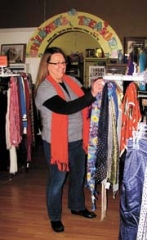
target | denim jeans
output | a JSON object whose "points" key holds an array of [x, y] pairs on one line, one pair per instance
{"points": [[56, 180], [131, 191]]}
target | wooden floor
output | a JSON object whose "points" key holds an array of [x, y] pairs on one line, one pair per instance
{"points": [[23, 214]]}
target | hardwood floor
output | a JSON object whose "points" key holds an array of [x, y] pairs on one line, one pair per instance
{"points": [[23, 214]]}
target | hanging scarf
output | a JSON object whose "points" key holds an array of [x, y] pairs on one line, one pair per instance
{"points": [[59, 127], [92, 146], [131, 115], [102, 147]]}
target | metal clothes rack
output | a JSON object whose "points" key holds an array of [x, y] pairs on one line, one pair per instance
{"points": [[139, 77], [124, 80], [6, 72], [9, 75]]}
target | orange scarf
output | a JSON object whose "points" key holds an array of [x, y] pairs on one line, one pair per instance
{"points": [[59, 127], [131, 115]]}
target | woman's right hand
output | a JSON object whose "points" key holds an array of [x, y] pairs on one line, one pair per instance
{"points": [[97, 86]]}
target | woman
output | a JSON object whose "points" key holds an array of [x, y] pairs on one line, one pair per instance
{"points": [[65, 124]]}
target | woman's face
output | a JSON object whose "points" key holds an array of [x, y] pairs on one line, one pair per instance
{"points": [[57, 66]]}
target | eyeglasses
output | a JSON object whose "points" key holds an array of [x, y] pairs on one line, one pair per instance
{"points": [[58, 63]]}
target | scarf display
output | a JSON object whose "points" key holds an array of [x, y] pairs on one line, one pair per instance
{"points": [[59, 126], [103, 148]]}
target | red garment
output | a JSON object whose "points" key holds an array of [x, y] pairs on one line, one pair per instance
{"points": [[14, 114], [59, 126], [131, 115]]}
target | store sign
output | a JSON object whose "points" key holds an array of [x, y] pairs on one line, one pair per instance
{"points": [[73, 21]]}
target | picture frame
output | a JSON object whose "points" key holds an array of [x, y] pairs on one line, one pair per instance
{"points": [[95, 72], [131, 42], [16, 53]]}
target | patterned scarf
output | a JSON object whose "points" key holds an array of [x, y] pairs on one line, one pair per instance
{"points": [[102, 147], [59, 127], [131, 115]]}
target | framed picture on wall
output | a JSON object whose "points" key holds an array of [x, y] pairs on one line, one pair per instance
{"points": [[133, 42], [16, 53]]}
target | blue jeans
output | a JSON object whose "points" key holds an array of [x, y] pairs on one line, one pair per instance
{"points": [[131, 191], [56, 180]]}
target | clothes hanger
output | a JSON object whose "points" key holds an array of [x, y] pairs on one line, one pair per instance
{"points": [[142, 94], [140, 133]]}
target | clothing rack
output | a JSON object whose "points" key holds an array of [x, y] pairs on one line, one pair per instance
{"points": [[9, 75], [23, 153], [139, 77], [6, 72]]}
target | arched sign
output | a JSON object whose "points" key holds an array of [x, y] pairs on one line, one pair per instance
{"points": [[74, 21]]}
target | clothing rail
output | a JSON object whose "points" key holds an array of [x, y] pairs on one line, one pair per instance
{"points": [[9, 75], [140, 77], [6, 72]]}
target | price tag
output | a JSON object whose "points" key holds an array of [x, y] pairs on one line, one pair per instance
{"points": [[107, 186]]}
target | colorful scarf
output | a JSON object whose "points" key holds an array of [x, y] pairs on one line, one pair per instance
{"points": [[59, 127], [131, 115]]}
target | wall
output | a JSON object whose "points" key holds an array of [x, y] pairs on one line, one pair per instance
{"points": [[79, 41], [21, 35], [18, 19], [127, 18], [70, 42]]}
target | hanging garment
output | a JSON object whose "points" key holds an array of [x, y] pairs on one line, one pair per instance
{"points": [[142, 227], [32, 107], [114, 158], [131, 115], [115, 119], [142, 61], [22, 103], [108, 144], [93, 137], [13, 168], [132, 63], [92, 146], [14, 117], [25, 102], [4, 153], [131, 190], [109, 169], [102, 146], [13, 124], [28, 111]]}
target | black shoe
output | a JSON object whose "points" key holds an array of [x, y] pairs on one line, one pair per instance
{"points": [[84, 213], [57, 226]]}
